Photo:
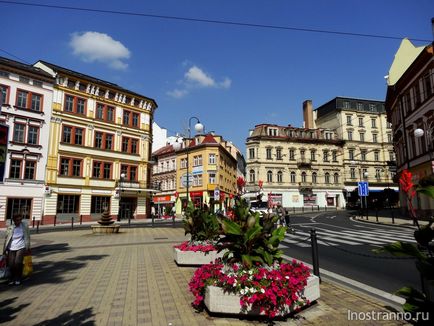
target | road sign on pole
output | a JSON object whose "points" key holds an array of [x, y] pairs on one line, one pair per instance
{"points": [[216, 194], [363, 187]]}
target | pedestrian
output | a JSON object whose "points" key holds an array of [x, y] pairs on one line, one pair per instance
{"points": [[17, 243], [281, 213]]}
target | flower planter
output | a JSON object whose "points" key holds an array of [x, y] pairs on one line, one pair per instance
{"points": [[217, 301], [195, 258]]}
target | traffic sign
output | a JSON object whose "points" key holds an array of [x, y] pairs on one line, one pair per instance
{"points": [[363, 187], [216, 193]]}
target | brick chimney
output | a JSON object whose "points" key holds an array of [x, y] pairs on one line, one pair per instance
{"points": [[308, 114]]}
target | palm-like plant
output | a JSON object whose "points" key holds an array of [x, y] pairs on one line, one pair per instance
{"points": [[201, 224], [249, 238]]}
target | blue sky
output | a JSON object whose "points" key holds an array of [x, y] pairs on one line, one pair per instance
{"points": [[231, 77]]}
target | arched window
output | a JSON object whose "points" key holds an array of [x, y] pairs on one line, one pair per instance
{"points": [[327, 177], [314, 175], [279, 176], [336, 178], [292, 177], [252, 176], [303, 177], [269, 176]]}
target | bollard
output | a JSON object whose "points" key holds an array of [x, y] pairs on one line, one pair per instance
{"points": [[376, 214], [153, 218], [173, 221], [302, 209], [33, 223], [293, 209], [393, 216], [315, 260], [318, 208], [129, 220], [312, 208], [55, 218], [37, 227], [81, 219], [72, 223]]}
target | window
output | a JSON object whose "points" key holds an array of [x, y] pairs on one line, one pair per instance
{"points": [[32, 135], [389, 138], [352, 173], [19, 130], [362, 136], [28, 100], [346, 105], [302, 154], [101, 170], [351, 154], [211, 178], [363, 154], [183, 163], [211, 159], [251, 153], [73, 135], [336, 178], [278, 154], [427, 86], [252, 176], [197, 180], [104, 141], [314, 177], [130, 172], [279, 176], [376, 156], [378, 174], [29, 170], [374, 138], [327, 178], [4, 94], [359, 106], [303, 177], [272, 132], [268, 153], [70, 167], [313, 155], [350, 135], [74, 104], [269, 176], [388, 125], [130, 145], [292, 176], [99, 203], [15, 169], [349, 120], [374, 123], [67, 204], [292, 154], [130, 119], [334, 156], [104, 112], [361, 122], [391, 156], [325, 156], [19, 206], [197, 160]]}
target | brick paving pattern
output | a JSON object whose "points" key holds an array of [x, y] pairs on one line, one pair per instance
{"points": [[130, 278]]}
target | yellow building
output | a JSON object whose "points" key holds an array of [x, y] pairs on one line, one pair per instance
{"points": [[99, 151], [210, 165]]}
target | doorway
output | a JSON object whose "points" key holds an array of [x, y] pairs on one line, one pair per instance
{"points": [[127, 208]]}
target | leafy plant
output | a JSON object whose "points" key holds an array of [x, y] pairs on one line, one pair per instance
{"points": [[249, 238], [201, 224], [422, 252]]}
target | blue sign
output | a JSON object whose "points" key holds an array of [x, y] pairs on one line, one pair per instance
{"points": [[363, 188]]}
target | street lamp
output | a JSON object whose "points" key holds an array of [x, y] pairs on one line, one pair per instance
{"points": [[199, 128], [428, 132], [121, 180]]}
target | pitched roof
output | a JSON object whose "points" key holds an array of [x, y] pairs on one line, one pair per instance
{"points": [[163, 150], [25, 67], [209, 139]]}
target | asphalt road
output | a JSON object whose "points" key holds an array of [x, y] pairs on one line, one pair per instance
{"points": [[345, 248]]}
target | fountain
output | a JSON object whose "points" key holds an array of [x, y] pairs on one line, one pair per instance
{"points": [[105, 224]]}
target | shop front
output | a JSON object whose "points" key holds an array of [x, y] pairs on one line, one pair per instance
{"points": [[163, 204]]}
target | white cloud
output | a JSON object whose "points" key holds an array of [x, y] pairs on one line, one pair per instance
{"points": [[195, 78], [100, 47], [177, 93], [196, 75]]}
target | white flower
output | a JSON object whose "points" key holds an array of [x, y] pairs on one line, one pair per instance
{"points": [[262, 291], [287, 277]]}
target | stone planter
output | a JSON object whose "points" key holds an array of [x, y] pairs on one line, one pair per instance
{"points": [[105, 229], [219, 302], [195, 258]]}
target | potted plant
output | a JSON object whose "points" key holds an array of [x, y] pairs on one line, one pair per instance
{"points": [[251, 278], [204, 230], [416, 301]]}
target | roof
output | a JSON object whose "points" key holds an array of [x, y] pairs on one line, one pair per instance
{"points": [[209, 139], [25, 67], [164, 150], [93, 79]]}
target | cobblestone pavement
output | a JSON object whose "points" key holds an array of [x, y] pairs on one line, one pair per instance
{"points": [[130, 278]]}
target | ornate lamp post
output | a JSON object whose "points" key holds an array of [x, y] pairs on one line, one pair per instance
{"points": [[428, 132], [121, 180]]}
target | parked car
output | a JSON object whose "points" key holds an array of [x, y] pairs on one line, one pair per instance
{"points": [[259, 206], [353, 205]]}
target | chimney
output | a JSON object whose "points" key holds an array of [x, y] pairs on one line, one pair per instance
{"points": [[308, 114]]}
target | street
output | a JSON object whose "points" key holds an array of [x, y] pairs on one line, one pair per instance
{"points": [[345, 248]]}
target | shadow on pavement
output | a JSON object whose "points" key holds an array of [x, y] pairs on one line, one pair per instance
{"points": [[68, 318], [7, 312], [48, 249]]}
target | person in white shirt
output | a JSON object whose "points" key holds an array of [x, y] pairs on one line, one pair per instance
{"points": [[17, 242]]}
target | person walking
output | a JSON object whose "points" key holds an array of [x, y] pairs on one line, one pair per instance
{"points": [[16, 244], [281, 213]]}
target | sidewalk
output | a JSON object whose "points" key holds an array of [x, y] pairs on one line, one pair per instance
{"points": [[130, 278]]}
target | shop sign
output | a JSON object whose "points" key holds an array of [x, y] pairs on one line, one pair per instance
{"points": [[274, 199], [160, 199], [309, 200], [196, 193]]}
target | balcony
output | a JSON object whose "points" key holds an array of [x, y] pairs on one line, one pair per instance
{"points": [[304, 163]]}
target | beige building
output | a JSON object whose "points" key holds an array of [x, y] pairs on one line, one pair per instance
{"points": [[368, 153], [342, 142], [410, 109], [99, 150]]}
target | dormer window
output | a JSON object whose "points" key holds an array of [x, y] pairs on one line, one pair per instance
{"points": [[272, 131]]}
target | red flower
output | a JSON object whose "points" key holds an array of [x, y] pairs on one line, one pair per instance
{"points": [[405, 182]]}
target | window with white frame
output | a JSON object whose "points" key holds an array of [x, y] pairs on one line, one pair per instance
{"points": [[197, 160], [211, 158], [197, 180], [272, 131], [211, 178], [183, 163]]}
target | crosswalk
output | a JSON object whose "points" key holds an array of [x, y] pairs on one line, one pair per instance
{"points": [[351, 237]]}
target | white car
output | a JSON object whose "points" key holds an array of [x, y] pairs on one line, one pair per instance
{"points": [[259, 206]]}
